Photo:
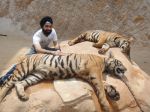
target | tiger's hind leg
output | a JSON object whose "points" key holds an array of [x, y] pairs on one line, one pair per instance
{"points": [[78, 39], [3, 92], [99, 44], [101, 41], [95, 79], [5, 89], [40, 73], [30, 80]]}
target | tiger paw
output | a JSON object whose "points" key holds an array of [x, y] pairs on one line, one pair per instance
{"points": [[24, 97], [20, 91], [101, 51], [70, 43], [112, 93]]}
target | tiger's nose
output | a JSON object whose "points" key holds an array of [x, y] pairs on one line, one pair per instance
{"points": [[122, 47]]}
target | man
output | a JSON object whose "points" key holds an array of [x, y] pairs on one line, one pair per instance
{"points": [[44, 36], [41, 41]]}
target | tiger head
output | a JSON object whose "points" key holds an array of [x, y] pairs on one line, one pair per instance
{"points": [[114, 66], [124, 43]]}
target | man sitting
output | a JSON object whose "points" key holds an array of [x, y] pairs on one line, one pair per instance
{"points": [[43, 37]]}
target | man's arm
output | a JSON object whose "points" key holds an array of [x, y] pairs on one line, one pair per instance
{"points": [[56, 45], [39, 49]]}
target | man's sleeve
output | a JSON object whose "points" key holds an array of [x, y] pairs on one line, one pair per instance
{"points": [[36, 39]]}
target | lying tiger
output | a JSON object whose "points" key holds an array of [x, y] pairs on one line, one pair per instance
{"points": [[104, 40], [90, 68]]}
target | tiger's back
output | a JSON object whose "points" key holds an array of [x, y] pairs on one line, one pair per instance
{"points": [[68, 66], [94, 36]]}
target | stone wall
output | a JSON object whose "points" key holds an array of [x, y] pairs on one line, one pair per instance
{"points": [[71, 17]]}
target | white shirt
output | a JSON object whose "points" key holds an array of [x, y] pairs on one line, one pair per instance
{"points": [[40, 38]]}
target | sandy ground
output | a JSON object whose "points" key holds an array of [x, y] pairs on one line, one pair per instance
{"points": [[9, 46], [141, 55]]}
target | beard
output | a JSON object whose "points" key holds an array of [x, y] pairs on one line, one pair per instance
{"points": [[46, 32]]}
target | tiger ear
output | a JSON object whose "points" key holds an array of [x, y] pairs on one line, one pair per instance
{"points": [[110, 55], [131, 39]]}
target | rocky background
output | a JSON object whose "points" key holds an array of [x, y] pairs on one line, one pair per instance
{"points": [[20, 18]]}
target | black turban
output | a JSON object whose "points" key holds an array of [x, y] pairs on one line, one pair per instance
{"points": [[44, 20]]}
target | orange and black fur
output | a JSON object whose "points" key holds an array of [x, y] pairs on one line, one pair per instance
{"points": [[104, 40], [37, 67]]}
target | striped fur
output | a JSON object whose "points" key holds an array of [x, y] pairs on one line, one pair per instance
{"points": [[104, 40], [37, 67]]}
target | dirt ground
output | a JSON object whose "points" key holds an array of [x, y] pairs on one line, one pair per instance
{"points": [[9, 46]]}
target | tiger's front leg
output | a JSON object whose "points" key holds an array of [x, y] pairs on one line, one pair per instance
{"points": [[95, 78], [5, 89], [104, 48]]}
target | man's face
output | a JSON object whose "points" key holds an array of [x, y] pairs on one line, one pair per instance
{"points": [[47, 28]]}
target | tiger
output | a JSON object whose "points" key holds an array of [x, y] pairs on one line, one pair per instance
{"points": [[87, 67], [104, 40]]}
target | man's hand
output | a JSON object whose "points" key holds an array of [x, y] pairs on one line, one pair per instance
{"points": [[58, 52], [58, 49]]}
